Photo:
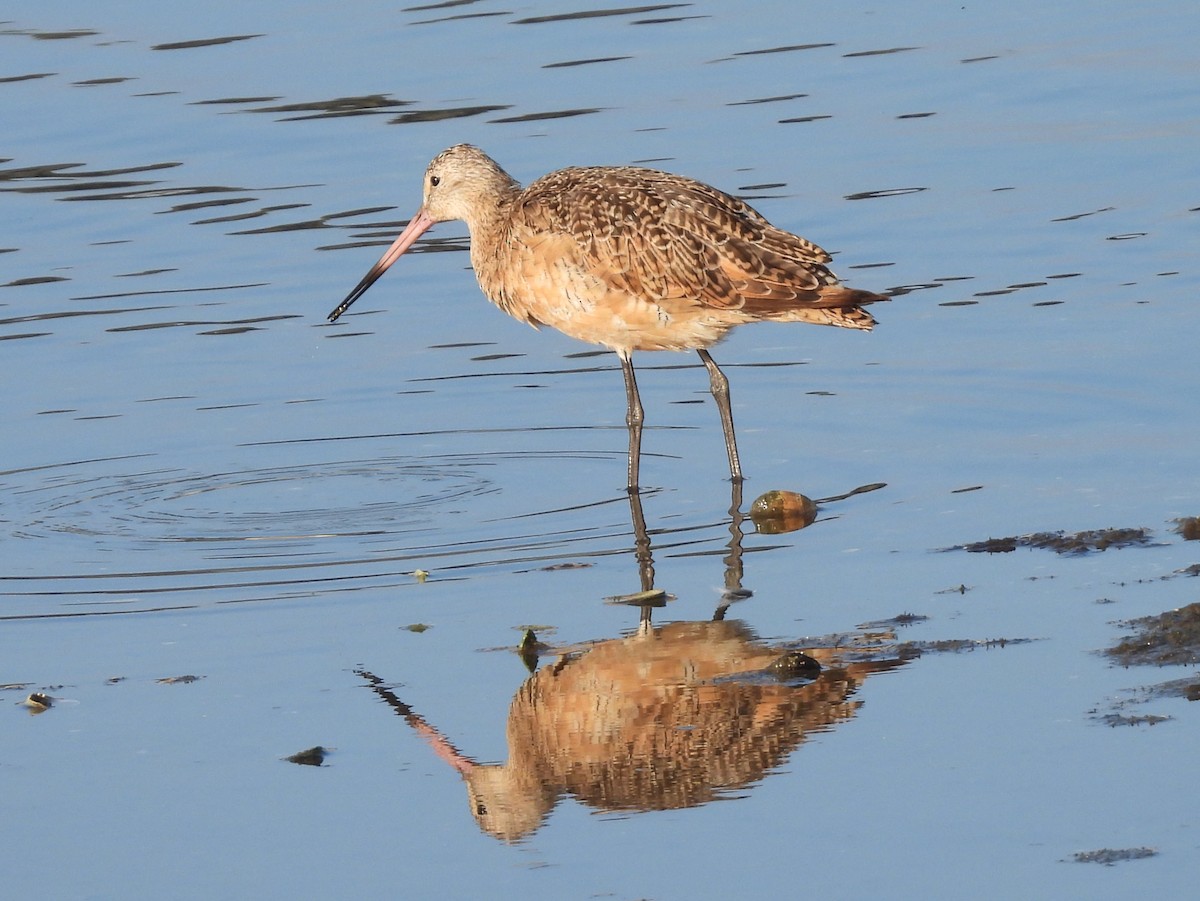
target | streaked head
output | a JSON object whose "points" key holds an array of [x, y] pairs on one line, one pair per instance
{"points": [[461, 182]]}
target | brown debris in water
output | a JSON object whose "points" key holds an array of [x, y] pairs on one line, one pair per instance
{"points": [[1170, 638], [1178, 688], [1110, 856], [1062, 543], [1167, 638], [957, 645], [1188, 527], [1143, 719], [900, 619], [960, 588], [863, 646]]}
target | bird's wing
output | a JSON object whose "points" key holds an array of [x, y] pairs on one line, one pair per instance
{"points": [[658, 235]]}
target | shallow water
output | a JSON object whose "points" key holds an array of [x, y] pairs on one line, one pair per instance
{"points": [[201, 477]]}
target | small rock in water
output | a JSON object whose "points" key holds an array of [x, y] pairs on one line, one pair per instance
{"points": [[314, 756], [795, 665], [653, 597], [782, 511]]}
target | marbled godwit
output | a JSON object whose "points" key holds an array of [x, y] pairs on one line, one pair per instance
{"points": [[628, 258], [671, 717]]}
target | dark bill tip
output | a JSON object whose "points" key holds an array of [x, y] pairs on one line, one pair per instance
{"points": [[359, 290]]}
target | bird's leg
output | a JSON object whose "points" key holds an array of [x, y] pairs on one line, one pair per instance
{"points": [[633, 420], [720, 393], [733, 561], [641, 542]]}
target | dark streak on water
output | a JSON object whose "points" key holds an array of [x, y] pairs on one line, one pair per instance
{"points": [[204, 42], [789, 48], [598, 13], [781, 97], [585, 62], [551, 114], [364, 105], [888, 192], [885, 52], [437, 115]]}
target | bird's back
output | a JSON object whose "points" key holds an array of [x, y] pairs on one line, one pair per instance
{"points": [[640, 259]]}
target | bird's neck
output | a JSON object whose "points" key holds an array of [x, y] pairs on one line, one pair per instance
{"points": [[490, 215]]}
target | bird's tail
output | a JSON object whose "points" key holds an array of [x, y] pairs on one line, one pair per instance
{"points": [[841, 306]]}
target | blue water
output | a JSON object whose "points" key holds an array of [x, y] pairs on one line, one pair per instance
{"points": [[200, 477]]}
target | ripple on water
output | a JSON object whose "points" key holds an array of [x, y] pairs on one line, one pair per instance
{"points": [[257, 519], [266, 533]]}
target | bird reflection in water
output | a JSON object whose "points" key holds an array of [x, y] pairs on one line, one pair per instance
{"points": [[669, 716]]}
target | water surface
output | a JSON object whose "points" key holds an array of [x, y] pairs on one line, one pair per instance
{"points": [[203, 478]]}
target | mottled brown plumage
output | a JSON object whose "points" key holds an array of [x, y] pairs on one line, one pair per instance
{"points": [[628, 258], [671, 717]]}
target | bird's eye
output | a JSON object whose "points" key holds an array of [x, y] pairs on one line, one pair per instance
{"points": [[434, 181]]}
